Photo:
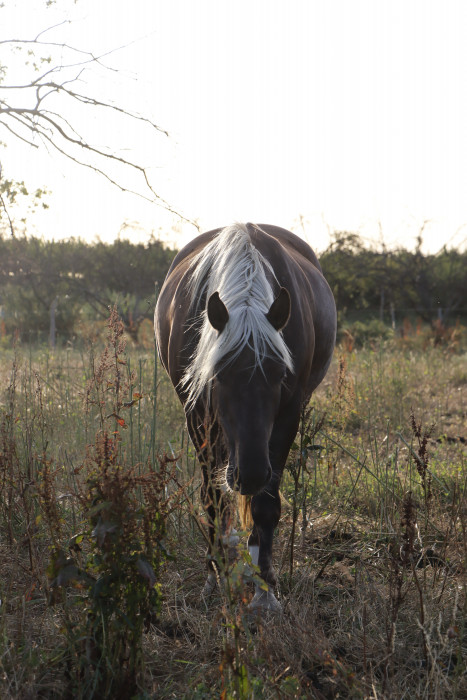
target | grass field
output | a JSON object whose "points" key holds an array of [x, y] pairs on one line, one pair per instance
{"points": [[103, 542]]}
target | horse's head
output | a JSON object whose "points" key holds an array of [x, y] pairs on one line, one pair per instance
{"points": [[246, 397]]}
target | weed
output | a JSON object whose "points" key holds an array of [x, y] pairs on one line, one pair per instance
{"points": [[115, 563]]}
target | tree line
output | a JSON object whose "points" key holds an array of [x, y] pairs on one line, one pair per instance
{"points": [[68, 282], [378, 283], [73, 281]]}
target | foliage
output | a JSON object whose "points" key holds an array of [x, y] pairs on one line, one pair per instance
{"points": [[43, 103], [390, 284], [106, 580], [115, 567], [376, 496], [371, 288], [11, 191], [126, 509], [87, 279], [359, 333]]}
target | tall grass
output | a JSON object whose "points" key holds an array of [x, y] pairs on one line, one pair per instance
{"points": [[103, 538]]}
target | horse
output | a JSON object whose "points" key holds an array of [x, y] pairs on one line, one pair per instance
{"points": [[245, 326]]}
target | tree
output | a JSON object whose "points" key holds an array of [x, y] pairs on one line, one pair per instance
{"points": [[76, 279], [31, 278], [39, 106], [451, 283], [351, 272], [368, 282], [10, 190]]}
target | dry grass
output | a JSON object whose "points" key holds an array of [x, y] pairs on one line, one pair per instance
{"points": [[376, 604]]}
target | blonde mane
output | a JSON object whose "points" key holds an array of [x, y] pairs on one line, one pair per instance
{"points": [[232, 266]]}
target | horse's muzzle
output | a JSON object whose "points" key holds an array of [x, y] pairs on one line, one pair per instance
{"points": [[248, 482]]}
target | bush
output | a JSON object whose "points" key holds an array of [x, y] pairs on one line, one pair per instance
{"points": [[360, 333]]}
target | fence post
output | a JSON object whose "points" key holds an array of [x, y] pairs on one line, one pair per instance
{"points": [[52, 330]]}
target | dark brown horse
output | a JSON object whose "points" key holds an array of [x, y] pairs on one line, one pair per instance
{"points": [[245, 326]]}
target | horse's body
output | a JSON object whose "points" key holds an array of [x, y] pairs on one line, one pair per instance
{"points": [[245, 325]]}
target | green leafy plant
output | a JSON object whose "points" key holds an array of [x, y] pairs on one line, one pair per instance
{"points": [[114, 569], [112, 565]]}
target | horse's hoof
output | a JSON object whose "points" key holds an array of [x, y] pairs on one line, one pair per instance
{"points": [[210, 585], [213, 581], [264, 601]]}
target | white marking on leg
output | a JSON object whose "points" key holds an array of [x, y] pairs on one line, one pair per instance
{"points": [[231, 538], [262, 600], [230, 543], [254, 553]]}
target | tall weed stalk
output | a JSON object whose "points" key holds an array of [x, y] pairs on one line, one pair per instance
{"points": [[107, 580]]}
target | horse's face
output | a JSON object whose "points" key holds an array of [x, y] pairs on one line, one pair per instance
{"points": [[246, 400], [246, 403]]}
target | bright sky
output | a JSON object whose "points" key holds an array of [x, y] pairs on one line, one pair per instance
{"points": [[345, 115]]}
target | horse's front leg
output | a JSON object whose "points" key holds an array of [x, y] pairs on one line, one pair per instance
{"points": [[223, 538], [266, 511]]}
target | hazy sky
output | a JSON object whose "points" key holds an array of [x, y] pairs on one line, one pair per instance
{"points": [[350, 114]]}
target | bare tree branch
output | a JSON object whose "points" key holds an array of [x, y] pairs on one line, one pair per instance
{"points": [[85, 99], [29, 143], [56, 130], [39, 128], [5, 209], [155, 197]]}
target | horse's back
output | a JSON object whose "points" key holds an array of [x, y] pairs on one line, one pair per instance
{"points": [[259, 233], [290, 242]]}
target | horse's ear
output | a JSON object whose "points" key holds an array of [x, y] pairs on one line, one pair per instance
{"points": [[279, 313], [217, 312]]}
